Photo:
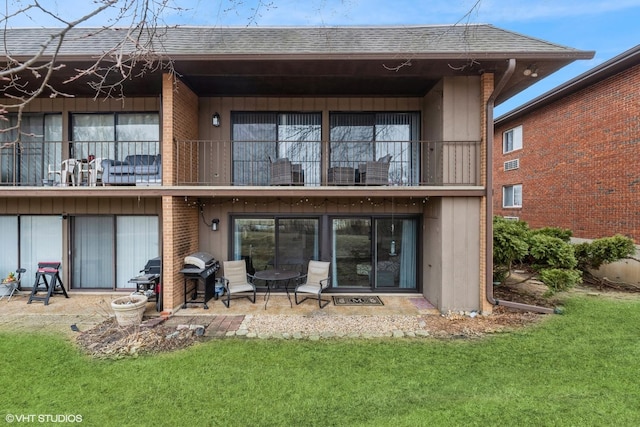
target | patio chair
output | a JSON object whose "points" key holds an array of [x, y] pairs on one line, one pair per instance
{"points": [[53, 175], [314, 282], [68, 170], [375, 172], [14, 286], [95, 171], [283, 172], [237, 281]]}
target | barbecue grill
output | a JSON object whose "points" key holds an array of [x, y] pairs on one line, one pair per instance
{"points": [[199, 267], [149, 282]]}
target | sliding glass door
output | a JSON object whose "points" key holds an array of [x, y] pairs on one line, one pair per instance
{"points": [[373, 253], [278, 242], [107, 251], [357, 138], [40, 240], [28, 162], [259, 138], [351, 249], [377, 253]]}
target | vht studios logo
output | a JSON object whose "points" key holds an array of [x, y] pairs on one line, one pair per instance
{"points": [[43, 418]]}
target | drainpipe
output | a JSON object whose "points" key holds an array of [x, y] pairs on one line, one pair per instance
{"points": [[489, 237]]}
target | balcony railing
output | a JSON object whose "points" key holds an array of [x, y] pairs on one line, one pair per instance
{"points": [[44, 163], [418, 163], [223, 163]]}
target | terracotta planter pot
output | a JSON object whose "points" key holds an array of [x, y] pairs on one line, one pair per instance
{"points": [[129, 309]]}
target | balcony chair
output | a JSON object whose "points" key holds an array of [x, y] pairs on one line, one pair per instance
{"points": [[283, 172], [95, 171], [314, 282], [375, 172], [68, 170], [53, 175], [237, 281]]}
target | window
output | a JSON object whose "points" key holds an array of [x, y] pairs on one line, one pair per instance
{"points": [[276, 242], [115, 135], [259, 136], [40, 137], [108, 251], [512, 196], [360, 137], [9, 250], [367, 252], [512, 140]]}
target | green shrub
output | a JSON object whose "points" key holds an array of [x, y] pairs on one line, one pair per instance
{"points": [[551, 252], [509, 245], [603, 251], [547, 250], [561, 233], [558, 280]]}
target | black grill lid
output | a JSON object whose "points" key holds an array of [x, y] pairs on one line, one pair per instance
{"points": [[200, 260]]}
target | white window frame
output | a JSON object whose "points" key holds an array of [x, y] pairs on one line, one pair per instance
{"points": [[512, 140], [512, 196]]}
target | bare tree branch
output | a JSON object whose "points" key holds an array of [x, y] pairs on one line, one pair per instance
{"points": [[138, 50], [466, 18]]}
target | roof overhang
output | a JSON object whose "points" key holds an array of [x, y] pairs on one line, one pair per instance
{"points": [[307, 76], [615, 65], [309, 62]]}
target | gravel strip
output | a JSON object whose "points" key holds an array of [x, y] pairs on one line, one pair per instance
{"points": [[334, 325]]}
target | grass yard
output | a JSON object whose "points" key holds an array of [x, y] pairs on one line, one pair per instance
{"points": [[577, 369]]}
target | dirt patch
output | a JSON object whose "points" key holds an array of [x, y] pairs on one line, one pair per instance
{"points": [[503, 319]]}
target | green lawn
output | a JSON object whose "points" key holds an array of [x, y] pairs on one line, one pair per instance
{"points": [[577, 369]]}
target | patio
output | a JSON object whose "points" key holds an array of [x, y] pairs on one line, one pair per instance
{"points": [[242, 318]]}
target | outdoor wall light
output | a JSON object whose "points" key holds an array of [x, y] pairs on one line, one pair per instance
{"points": [[531, 71], [215, 120], [214, 224]]}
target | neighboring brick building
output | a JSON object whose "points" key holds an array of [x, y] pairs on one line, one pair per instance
{"points": [[571, 157]]}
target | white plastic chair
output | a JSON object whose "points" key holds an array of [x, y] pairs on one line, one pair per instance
{"points": [[68, 170], [95, 171], [53, 174]]}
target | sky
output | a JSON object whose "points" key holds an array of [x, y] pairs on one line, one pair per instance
{"points": [[608, 27]]}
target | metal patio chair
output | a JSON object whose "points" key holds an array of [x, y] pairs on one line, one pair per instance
{"points": [[237, 281], [314, 282], [13, 287]]}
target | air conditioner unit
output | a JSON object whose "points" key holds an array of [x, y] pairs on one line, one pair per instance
{"points": [[512, 164]]}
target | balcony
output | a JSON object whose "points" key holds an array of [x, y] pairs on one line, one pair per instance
{"points": [[74, 164], [201, 163], [418, 163]]}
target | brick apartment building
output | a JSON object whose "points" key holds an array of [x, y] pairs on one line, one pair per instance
{"points": [[571, 157], [276, 146]]}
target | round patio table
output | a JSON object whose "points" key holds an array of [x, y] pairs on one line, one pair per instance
{"points": [[272, 277]]}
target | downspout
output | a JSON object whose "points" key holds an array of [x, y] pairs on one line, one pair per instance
{"points": [[489, 205]]}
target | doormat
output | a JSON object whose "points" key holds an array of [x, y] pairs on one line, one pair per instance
{"points": [[357, 300]]}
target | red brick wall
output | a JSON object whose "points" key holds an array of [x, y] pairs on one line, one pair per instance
{"points": [[179, 221], [580, 162]]}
